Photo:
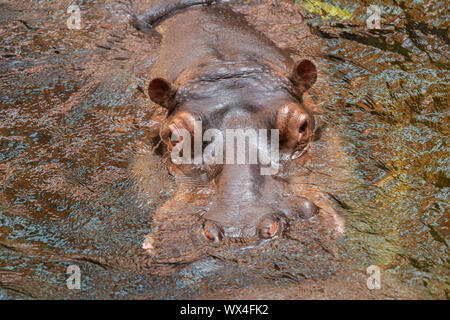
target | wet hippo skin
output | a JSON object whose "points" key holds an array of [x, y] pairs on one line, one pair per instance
{"points": [[214, 67]]}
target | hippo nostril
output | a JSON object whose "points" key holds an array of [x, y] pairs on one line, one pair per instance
{"points": [[212, 231], [273, 228], [209, 235], [269, 227]]}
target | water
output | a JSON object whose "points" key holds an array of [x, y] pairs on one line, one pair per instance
{"points": [[391, 105], [79, 180]]}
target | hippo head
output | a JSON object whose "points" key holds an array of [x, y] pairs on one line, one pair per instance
{"points": [[221, 107]]}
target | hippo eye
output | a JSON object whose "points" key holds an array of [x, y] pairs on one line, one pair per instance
{"points": [[178, 128], [176, 135], [295, 126]]}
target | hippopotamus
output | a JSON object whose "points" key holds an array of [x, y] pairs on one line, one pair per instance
{"points": [[215, 69]]}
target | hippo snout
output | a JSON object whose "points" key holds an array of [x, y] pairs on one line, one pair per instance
{"points": [[258, 223], [268, 227]]}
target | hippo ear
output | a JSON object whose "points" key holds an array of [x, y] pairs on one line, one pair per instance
{"points": [[162, 92], [304, 74]]}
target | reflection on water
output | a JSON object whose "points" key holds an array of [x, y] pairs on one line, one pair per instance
{"points": [[79, 181], [390, 102]]}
